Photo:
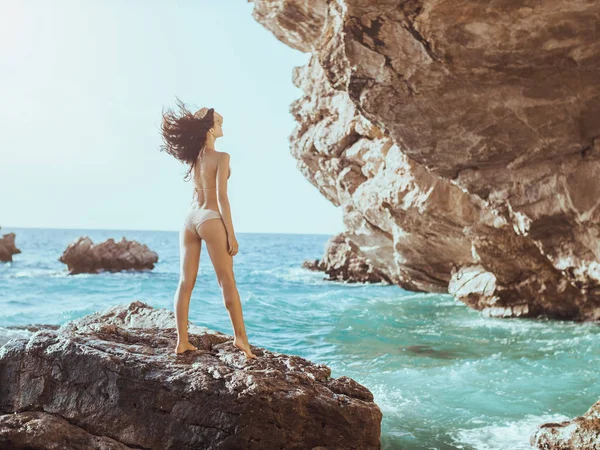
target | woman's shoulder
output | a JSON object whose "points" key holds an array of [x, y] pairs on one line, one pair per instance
{"points": [[224, 156]]}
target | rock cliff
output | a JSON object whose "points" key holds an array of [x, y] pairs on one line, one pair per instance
{"points": [[461, 140]]}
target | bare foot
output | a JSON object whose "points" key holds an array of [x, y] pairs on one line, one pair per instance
{"points": [[184, 347], [245, 347]]}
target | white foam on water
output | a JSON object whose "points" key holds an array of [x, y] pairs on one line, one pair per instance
{"points": [[299, 275], [512, 435], [31, 273], [514, 325], [392, 403], [6, 334]]}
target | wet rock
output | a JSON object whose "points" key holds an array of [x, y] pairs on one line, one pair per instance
{"points": [[82, 256], [114, 374], [583, 432], [8, 247], [452, 157], [342, 263], [36, 430]]}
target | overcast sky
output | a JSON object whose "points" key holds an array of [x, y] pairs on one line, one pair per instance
{"points": [[82, 87]]}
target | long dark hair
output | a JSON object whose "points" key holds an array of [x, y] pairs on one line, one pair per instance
{"points": [[184, 134]]}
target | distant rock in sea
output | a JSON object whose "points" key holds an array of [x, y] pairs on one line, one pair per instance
{"points": [[114, 374], [342, 262], [8, 247], [580, 433], [82, 256]]}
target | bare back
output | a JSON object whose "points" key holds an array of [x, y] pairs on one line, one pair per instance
{"points": [[207, 187]]}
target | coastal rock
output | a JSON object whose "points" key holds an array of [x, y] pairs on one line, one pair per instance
{"points": [[462, 143], [114, 374], [35, 430], [583, 432], [342, 263], [8, 247], [21, 331], [82, 256]]}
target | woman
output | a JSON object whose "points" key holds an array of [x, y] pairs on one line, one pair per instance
{"points": [[191, 139]]}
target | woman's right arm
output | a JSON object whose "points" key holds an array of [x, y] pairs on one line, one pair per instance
{"points": [[222, 197]]}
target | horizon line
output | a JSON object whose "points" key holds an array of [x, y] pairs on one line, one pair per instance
{"points": [[3, 227]]}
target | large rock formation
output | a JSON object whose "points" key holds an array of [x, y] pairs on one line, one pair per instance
{"points": [[8, 247], [577, 434], [82, 256], [461, 140], [114, 374]]}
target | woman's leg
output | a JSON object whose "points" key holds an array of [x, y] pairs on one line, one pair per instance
{"points": [[190, 245], [214, 234]]}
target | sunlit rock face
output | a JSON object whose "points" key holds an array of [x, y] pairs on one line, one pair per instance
{"points": [[582, 432], [462, 142]]}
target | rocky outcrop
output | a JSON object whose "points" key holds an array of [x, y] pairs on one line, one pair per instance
{"points": [[341, 262], [580, 433], [114, 374], [8, 247], [82, 256], [35, 430], [462, 143]]}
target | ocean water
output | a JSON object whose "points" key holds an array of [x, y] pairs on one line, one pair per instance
{"points": [[444, 376]]}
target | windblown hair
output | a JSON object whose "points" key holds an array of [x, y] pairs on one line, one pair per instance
{"points": [[184, 134]]}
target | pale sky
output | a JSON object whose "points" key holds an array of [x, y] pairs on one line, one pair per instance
{"points": [[82, 87]]}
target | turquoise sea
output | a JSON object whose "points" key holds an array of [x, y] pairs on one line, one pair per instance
{"points": [[444, 376]]}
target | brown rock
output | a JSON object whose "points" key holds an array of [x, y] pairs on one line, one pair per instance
{"points": [[114, 374], [458, 141], [583, 432], [8, 247], [82, 256], [342, 263], [36, 430]]}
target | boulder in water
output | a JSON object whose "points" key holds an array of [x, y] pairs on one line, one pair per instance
{"points": [[8, 247], [343, 263], [82, 256]]}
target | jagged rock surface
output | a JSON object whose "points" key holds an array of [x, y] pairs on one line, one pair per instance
{"points": [[114, 374], [8, 247], [35, 430], [580, 433], [341, 262], [82, 256], [462, 142]]}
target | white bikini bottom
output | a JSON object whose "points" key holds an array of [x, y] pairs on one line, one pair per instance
{"points": [[197, 216]]}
